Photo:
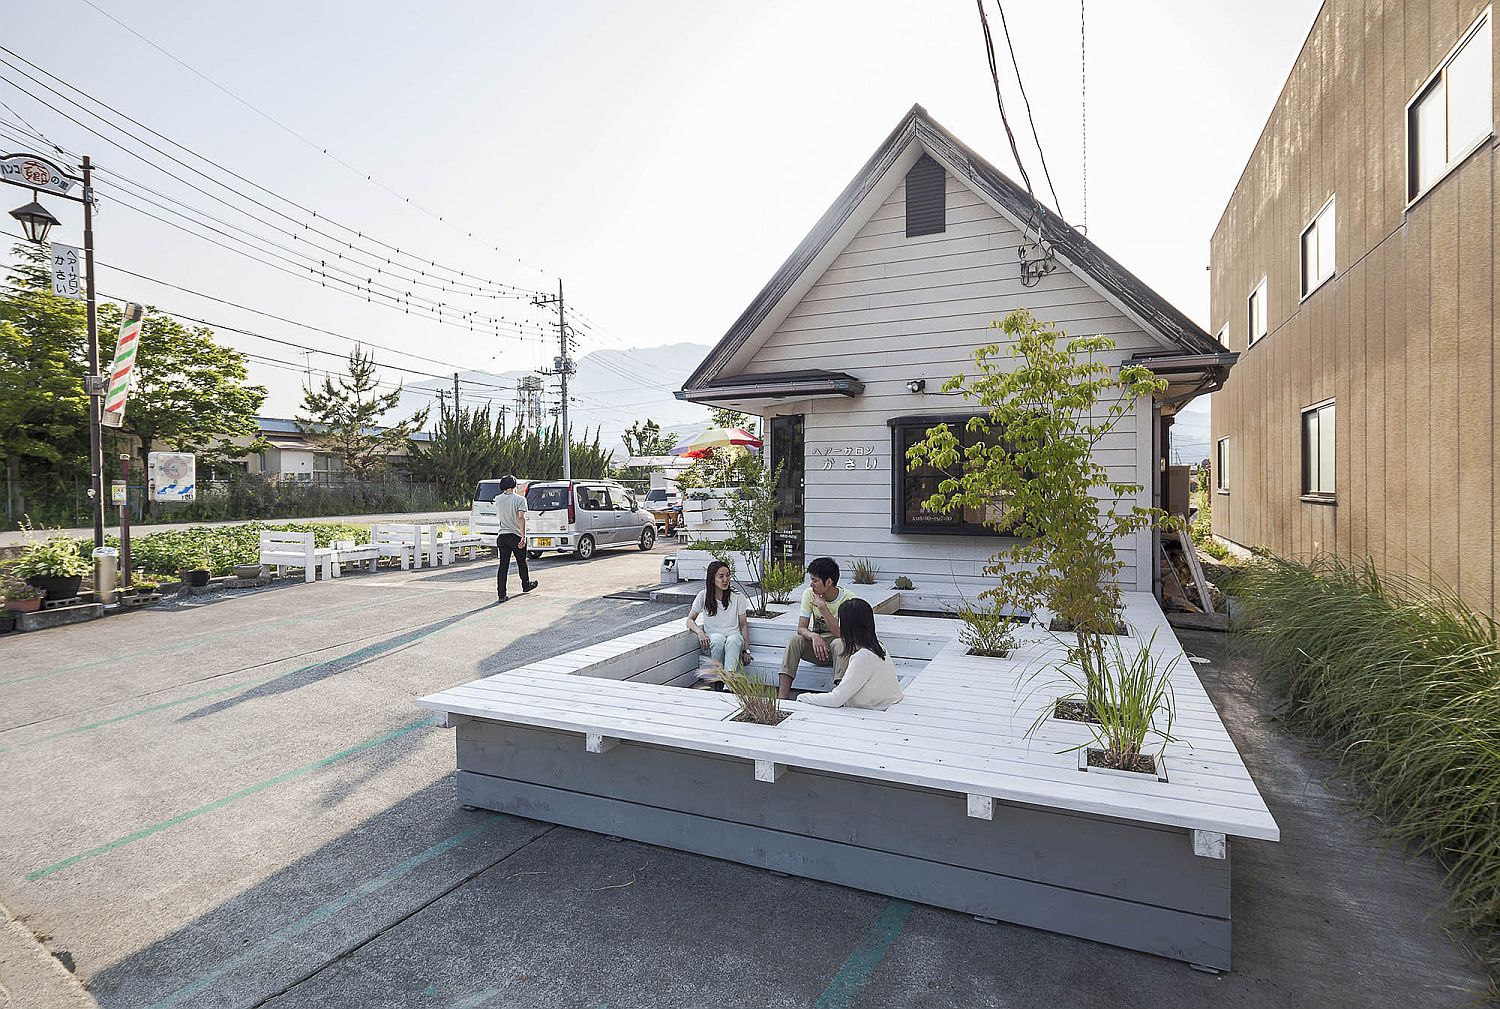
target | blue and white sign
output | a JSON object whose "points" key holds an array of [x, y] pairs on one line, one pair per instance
{"points": [[172, 476]]}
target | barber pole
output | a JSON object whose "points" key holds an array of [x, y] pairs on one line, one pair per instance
{"points": [[123, 369]]}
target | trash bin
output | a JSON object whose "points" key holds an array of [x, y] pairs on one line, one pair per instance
{"points": [[668, 570], [106, 573]]}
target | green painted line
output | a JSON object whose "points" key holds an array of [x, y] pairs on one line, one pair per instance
{"points": [[260, 786], [860, 967], [322, 914]]}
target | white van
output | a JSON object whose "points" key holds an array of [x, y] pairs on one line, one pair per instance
{"points": [[581, 516], [482, 515]]}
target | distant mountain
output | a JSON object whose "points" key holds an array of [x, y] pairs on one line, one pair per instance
{"points": [[610, 390]]}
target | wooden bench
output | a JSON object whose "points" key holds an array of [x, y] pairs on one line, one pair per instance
{"points": [[402, 542], [349, 552], [296, 550], [451, 544]]}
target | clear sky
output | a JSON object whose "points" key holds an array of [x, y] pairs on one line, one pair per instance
{"points": [[662, 157]]}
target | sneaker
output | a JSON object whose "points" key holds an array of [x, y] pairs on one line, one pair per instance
{"points": [[500, 599]]}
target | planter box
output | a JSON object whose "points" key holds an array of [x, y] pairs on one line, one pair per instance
{"points": [[692, 565]]}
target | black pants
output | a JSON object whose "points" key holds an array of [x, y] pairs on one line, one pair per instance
{"points": [[505, 545]]}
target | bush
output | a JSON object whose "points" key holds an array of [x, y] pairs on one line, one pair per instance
{"points": [[781, 579], [220, 548], [902, 582], [1398, 678], [986, 631], [865, 572], [58, 557]]}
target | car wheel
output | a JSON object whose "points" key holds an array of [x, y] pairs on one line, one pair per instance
{"points": [[648, 537], [585, 548], [535, 555]]}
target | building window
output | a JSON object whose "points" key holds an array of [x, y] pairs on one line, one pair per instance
{"points": [[1221, 466], [1256, 311], [1317, 250], [911, 487], [1317, 451], [1452, 113]]}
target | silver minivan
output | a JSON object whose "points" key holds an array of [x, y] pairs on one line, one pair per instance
{"points": [[582, 516]]}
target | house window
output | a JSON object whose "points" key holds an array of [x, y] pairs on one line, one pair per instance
{"points": [[1317, 250], [911, 487], [1452, 113], [1256, 311], [1221, 466], [1317, 451]]}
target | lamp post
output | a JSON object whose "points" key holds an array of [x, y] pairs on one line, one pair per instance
{"points": [[39, 174]]}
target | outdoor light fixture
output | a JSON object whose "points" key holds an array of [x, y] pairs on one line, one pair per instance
{"points": [[36, 220], [917, 385]]}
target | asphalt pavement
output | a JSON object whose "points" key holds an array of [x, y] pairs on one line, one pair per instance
{"points": [[234, 802]]}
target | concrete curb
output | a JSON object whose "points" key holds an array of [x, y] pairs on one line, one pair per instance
{"points": [[31, 977]]}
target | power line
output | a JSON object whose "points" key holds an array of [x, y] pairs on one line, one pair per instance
{"points": [[989, 49], [1000, 6], [315, 146], [424, 261]]}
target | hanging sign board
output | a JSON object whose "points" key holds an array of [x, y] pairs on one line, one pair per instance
{"points": [[172, 476], [32, 172], [123, 369], [67, 272]]}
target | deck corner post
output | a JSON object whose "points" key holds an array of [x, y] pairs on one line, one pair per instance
{"points": [[981, 807], [597, 742]]}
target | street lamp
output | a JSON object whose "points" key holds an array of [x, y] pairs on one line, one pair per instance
{"points": [[36, 220]]}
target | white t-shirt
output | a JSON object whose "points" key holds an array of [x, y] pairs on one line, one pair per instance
{"points": [[509, 507], [727, 619]]}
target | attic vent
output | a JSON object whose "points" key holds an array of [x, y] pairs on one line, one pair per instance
{"points": [[926, 198]]}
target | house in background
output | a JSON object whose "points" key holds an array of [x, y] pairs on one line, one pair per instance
{"points": [[1353, 270], [294, 456], [846, 349]]}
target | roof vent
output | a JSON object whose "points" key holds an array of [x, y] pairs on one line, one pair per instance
{"points": [[926, 198]]}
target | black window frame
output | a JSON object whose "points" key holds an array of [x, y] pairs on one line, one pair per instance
{"points": [[942, 525]]}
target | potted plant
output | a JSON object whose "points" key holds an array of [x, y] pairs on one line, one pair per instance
{"points": [[53, 565], [197, 576], [22, 598], [249, 571]]}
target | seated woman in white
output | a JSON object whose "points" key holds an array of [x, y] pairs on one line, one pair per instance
{"points": [[725, 632], [870, 679]]}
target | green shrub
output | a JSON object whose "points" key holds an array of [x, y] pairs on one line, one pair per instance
{"points": [[57, 557], [781, 579], [986, 631], [1401, 681], [220, 548], [902, 582]]}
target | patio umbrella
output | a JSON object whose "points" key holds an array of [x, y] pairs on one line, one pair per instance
{"points": [[716, 437]]}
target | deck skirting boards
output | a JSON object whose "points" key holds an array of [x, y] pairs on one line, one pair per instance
{"points": [[1130, 885]]}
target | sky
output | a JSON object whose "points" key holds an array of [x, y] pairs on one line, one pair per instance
{"points": [[661, 158]]}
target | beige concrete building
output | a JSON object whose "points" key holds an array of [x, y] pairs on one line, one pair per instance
{"points": [[1353, 270]]}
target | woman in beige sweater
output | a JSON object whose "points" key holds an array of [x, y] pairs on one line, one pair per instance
{"points": [[870, 679]]}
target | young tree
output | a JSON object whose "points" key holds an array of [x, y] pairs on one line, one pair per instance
{"points": [[1032, 471], [43, 408], [724, 417], [646, 438], [751, 510], [344, 415], [189, 393]]}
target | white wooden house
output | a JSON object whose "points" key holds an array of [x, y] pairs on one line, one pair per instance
{"points": [[846, 349]]}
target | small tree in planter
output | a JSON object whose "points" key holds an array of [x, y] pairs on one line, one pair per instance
{"points": [[751, 510], [1029, 468], [780, 580]]}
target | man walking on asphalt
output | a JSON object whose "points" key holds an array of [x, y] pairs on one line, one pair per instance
{"points": [[510, 507]]}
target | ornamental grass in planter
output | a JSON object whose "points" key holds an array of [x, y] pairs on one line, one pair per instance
{"points": [[758, 701], [1128, 713], [1400, 681]]}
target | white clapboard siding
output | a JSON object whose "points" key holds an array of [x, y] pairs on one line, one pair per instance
{"points": [[961, 728]]}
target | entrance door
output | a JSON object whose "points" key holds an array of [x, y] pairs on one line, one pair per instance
{"points": [[787, 451]]}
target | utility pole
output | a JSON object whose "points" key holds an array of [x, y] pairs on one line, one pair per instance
{"points": [[562, 365], [95, 380], [455, 394]]}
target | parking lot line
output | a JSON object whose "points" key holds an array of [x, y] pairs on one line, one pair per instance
{"points": [[220, 803], [860, 967]]}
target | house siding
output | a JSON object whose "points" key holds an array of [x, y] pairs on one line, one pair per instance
{"points": [[1402, 337], [890, 309]]}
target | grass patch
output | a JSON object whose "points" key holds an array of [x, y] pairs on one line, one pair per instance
{"points": [[1401, 680]]}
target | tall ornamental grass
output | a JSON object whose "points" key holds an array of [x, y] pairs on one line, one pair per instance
{"points": [[1402, 681]]}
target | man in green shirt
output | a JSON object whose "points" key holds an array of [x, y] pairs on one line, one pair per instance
{"points": [[817, 637]]}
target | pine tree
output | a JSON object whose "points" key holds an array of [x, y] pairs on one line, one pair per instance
{"points": [[344, 415]]}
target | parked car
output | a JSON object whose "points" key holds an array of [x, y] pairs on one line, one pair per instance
{"points": [[482, 515], [581, 516]]}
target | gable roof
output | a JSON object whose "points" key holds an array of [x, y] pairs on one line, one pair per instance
{"points": [[1153, 312]]}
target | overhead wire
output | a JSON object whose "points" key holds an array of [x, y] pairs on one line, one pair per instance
{"points": [[1015, 65]]}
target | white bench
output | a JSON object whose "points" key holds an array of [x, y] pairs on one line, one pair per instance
{"points": [[296, 550], [402, 542], [452, 543], [349, 552]]}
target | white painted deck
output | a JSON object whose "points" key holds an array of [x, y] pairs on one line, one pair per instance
{"points": [[960, 728]]}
